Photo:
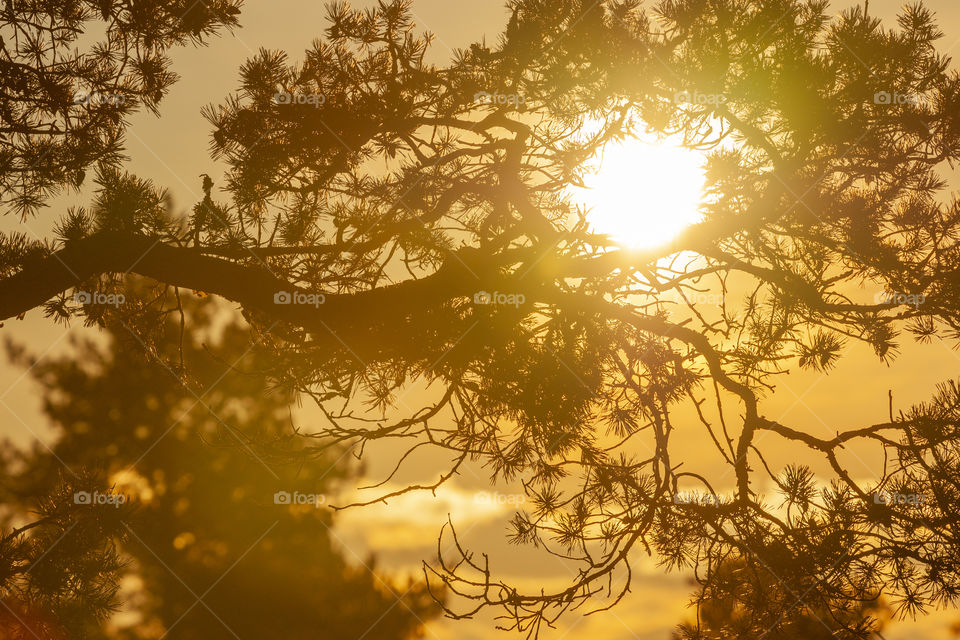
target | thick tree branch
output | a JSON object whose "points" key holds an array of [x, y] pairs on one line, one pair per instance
{"points": [[252, 286]]}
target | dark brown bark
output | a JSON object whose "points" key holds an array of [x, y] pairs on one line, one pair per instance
{"points": [[252, 286]]}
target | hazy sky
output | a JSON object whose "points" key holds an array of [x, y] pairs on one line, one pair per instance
{"points": [[173, 150]]}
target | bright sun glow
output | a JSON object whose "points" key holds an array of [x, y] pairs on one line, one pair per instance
{"points": [[644, 192]]}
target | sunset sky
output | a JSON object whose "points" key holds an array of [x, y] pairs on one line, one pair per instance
{"points": [[173, 150]]}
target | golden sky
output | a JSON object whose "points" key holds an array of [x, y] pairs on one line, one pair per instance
{"points": [[173, 151]]}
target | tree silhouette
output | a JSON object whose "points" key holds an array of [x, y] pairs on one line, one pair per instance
{"points": [[60, 569], [198, 501], [65, 99], [373, 200], [723, 610]]}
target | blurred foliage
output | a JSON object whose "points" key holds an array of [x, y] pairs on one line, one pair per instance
{"points": [[205, 551]]}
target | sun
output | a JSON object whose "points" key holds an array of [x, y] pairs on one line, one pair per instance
{"points": [[644, 191]]}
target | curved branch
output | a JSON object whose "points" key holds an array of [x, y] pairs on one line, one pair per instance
{"points": [[252, 286]]}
